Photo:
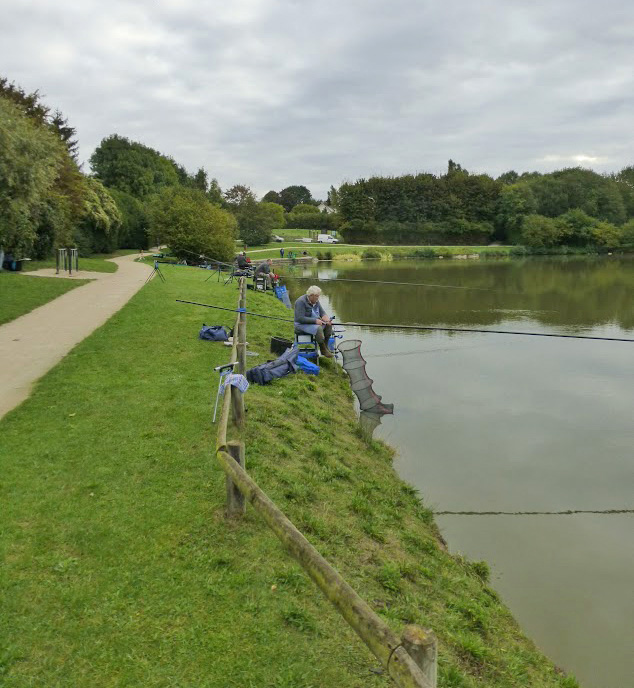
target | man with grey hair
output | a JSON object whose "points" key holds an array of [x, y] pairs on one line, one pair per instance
{"points": [[310, 318], [264, 270]]}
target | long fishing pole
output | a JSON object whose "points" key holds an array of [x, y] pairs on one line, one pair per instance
{"points": [[405, 284], [420, 327], [567, 512], [212, 260]]}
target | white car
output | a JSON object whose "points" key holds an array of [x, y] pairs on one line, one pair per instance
{"points": [[275, 237], [326, 239]]}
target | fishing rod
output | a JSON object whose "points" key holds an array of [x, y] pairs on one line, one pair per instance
{"points": [[420, 327], [405, 284], [212, 260], [567, 512]]}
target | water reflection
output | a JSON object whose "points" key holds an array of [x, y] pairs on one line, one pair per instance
{"points": [[488, 422], [574, 294]]}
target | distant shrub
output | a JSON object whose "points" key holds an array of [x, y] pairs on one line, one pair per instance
{"points": [[519, 251], [371, 254], [349, 257], [424, 253]]}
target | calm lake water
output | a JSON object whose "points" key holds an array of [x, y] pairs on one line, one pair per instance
{"points": [[487, 422]]}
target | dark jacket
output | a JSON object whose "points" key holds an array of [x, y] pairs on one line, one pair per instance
{"points": [[242, 262], [263, 268], [304, 311]]}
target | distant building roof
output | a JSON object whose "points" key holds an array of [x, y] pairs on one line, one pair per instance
{"points": [[323, 207]]}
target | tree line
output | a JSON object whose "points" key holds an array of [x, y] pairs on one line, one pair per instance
{"points": [[135, 196], [573, 207]]}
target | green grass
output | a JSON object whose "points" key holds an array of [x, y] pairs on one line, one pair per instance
{"points": [[95, 263], [287, 234], [20, 294], [272, 250], [120, 568]]}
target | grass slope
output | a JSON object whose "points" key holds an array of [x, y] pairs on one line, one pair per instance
{"points": [[20, 294], [120, 568]]}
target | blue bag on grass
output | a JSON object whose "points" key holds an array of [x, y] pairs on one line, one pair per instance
{"points": [[213, 333], [307, 366], [264, 373]]}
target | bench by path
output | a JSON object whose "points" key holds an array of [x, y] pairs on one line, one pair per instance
{"points": [[35, 342]]}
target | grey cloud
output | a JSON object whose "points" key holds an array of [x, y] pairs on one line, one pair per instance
{"points": [[272, 94]]}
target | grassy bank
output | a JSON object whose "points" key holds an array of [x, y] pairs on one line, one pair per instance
{"points": [[121, 570], [20, 294], [355, 252], [95, 263]]}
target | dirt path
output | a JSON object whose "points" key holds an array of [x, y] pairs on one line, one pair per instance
{"points": [[33, 343]]}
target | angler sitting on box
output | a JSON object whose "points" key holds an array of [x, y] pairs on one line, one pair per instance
{"points": [[264, 270], [310, 318]]}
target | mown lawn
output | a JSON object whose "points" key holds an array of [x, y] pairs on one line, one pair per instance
{"points": [[20, 294], [98, 262], [120, 568]]}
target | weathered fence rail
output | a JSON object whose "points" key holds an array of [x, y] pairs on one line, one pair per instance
{"points": [[409, 660]]}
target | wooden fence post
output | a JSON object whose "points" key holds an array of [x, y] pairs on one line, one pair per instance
{"points": [[237, 405], [236, 504], [242, 329], [422, 647], [239, 338]]}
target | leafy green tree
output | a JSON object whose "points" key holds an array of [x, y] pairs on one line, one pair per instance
{"points": [[255, 222], [214, 193], [510, 177], [191, 225], [333, 198], [272, 197], [577, 227], [294, 195], [356, 203], [134, 168], [610, 204], [625, 182], [627, 235], [539, 231], [606, 235], [31, 157], [551, 196], [98, 229], [199, 180], [66, 133], [454, 167], [324, 222], [275, 214], [304, 208], [515, 202], [238, 195], [28, 103], [134, 220]]}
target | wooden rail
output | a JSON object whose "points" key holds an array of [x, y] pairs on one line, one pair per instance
{"points": [[409, 660]]}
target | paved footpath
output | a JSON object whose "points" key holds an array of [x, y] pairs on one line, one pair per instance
{"points": [[33, 343]]}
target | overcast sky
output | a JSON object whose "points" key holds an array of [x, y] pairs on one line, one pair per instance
{"points": [[280, 92]]}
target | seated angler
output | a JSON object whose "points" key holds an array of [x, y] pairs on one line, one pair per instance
{"points": [[264, 270], [310, 318], [242, 261]]}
